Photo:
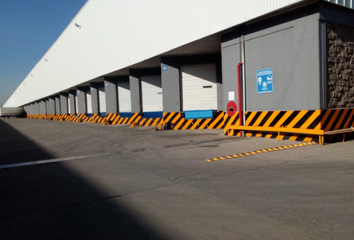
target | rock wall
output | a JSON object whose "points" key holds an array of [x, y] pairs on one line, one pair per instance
{"points": [[340, 63]]}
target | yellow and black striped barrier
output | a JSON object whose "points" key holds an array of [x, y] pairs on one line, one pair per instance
{"points": [[304, 125], [118, 120], [178, 122], [259, 151], [147, 122]]}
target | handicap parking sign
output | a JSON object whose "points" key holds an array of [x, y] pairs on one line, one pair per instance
{"points": [[265, 80]]}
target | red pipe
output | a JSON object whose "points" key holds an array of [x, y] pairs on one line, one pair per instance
{"points": [[239, 65]]}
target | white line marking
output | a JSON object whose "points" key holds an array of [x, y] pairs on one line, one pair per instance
{"points": [[14, 165]]}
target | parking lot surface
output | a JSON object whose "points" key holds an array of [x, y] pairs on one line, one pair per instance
{"points": [[66, 180]]}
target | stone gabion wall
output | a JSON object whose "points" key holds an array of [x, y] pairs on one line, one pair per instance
{"points": [[340, 49]]}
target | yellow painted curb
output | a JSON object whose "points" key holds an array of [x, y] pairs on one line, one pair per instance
{"points": [[260, 151]]}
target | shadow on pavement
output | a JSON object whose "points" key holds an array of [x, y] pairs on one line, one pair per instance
{"points": [[51, 201], [17, 148]]}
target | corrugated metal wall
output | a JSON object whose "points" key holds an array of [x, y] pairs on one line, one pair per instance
{"points": [[81, 53], [344, 3], [163, 25]]}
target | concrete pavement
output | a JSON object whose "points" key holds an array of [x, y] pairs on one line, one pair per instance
{"points": [[157, 185]]}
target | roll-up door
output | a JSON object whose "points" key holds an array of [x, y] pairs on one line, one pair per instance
{"points": [[199, 87], [88, 103], [69, 107], [151, 93], [124, 100], [76, 105], [102, 99]]}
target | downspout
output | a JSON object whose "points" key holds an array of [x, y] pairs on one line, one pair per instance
{"points": [[243, 77], [239, 66]]}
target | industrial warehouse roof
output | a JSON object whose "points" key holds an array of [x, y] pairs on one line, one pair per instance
{"points": [[109, 37]]}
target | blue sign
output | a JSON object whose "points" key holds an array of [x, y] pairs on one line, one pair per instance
{"points": [[164, 68], [265, 80]]}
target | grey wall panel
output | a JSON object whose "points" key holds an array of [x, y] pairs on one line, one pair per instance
{"points": [[37, 108], [81, 99], [57, 105], [171, 87], [51, 105], [94, 97], [29, 109], [230, 58], [43, 107], [291, 49], [47, 107], [135, 92], [64, 103], [72, 94], [110, 88]]}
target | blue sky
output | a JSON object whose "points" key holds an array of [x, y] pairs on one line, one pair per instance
{"points": [[27, 30]]}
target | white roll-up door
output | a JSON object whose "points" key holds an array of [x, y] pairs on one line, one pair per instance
{"points": [[151, 93], [199, 87], [88, 102], [69, 107], [76, 105], [102, 99], [124, 98]]}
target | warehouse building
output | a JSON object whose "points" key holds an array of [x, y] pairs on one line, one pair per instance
{"points": [[279, 69]]}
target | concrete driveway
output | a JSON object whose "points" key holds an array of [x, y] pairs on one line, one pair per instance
{"points": [[88, 181]]}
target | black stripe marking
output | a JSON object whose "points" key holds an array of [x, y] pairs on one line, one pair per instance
{"points": [[234, 121], [133, 117], [218, 123], [168, 115], [337, 119], [227, 119], [184, 123], [201, 123], [265, 119], [291, 118], [351, 123], [324, 126], [287, 136], [317, 120], [301, 138], [304, 119], [345, 119], [277, 118], [247, 115], [179, 121], [274, 135], [255, 118]]}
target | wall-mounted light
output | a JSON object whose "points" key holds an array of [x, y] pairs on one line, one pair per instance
{"points": [[77, 25]]}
